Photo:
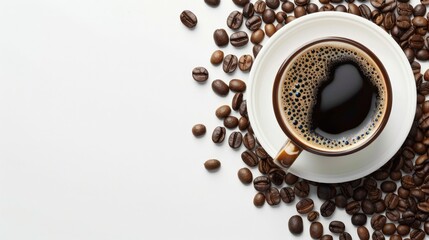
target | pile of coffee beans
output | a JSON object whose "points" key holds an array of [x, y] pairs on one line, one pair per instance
{"points": [[394, 200]]}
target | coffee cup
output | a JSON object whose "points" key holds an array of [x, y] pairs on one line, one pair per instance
{"points": [[331, 97]]}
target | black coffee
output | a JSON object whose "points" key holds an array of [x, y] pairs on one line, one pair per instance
{"points": [[333, 94]]}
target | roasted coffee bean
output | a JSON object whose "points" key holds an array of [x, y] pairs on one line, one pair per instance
{"points": [[341, 8], [291, 179], [217, 57], [237, 85], [337, 227], [257, 36], [420, 22], [365, 11], [426, 227], [304, 206], [248, 10], [340, 201], [359, 219], [396, 175], [268, 16], [273, 196], [326, 237], [389, 21], [212, 164], [393, 215], [218, 134], [261, 153], [245, 63], [403, 22], [404, 9], [249, 141], [299, 11], [388, 186], [200, 74], [312, 216], [368, 207], [407, 182], [212, 3], [245, 175], [243, 123], [260, 6], [288, 7], [270, 29], [416, 67], [345, 236], [312, 8], [419, 10], [406, 34], [220, 87], [389, 229], [391, 200], [259, 199], [243, 109], [290, 18], [302, 189], [264, 166], [273, 4], [249, 158], [254, 23], [235, 139], [424, 90], [403, 193], [230, 63], [281, 17], [241, 3], [369, 184], [234, 20], [239, 39], [276, 176], [378, 221], [380, 206], [354, 9], [407, 218], [422, 55], [416, 41], [236, 101], [327, 7], [410, 54], [295, 224], [419, 148], [417, 234], [301, 2], [188, 19], [326, 191], [256, 49], [363, 233], [377, 17], [262, 183], [380, 175], [287, 194], [346, 189], [403, 229], [423, 206], [220, 37], [388, 6], [223, 111], [352, 207], [359, 193], [327, 208], [316, 230], [378, 235], [199, 130]]}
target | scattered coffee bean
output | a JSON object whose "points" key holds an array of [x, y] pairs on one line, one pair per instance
{"points": [[340, 201], [221, 37], [304, 206], [245, 63], [388, 186], [378, 221], [220, 87], [352, 207], [234, 20], [198, 130], [377, 235], [363, 233], [216, 57], [354, 9], [419, 10], [230, 63], [248, 10], [312, 216], [256, 49], [249, 141], [259, 199], [299, 11], [417, 234], [241, 3], [389, 229], [245, 175], [273, 4], [345, 236], [218, 134], [237, 85], [235, 140], [295, 224], [337, 227], [230, 122], [250, 158], [236, 101], [223, 111], [212, 164], [368, 207], [200, 74], [326, 237], [359, 219], [254, 23], [188, 19], [391, 200], [261, 183], [291, 179], [302, 189], [403, 229], [393, 215], [327, 208], [243, 123], [212, 3], [257, 36], [268, 16], [326, 191], [273, 196], [316, 230], [287, 194], [360, 193], [239, 39]]}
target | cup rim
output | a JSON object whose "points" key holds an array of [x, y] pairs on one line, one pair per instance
{"points": [[307, 147]]}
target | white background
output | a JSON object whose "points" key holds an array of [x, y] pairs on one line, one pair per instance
{"points": [[97, 103]]}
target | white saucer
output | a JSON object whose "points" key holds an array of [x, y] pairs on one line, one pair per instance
{"points": [[298, 33]]}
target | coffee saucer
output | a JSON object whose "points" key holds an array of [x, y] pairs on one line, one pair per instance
{"points": [[305, 30]]}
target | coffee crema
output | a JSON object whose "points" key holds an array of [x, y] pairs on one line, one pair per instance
{"points": [[333, 94]]}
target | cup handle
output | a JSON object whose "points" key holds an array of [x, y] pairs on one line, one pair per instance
{"points": [[288, 154]]}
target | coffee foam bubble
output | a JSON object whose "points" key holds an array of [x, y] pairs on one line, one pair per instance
{"points": [[303, 77]]}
